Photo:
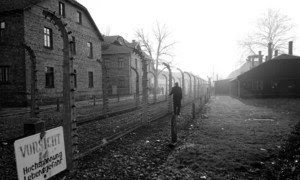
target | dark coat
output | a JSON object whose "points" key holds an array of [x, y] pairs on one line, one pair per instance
{"points": [[177, 94]]}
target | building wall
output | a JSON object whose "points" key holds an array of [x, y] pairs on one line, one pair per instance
{"points": [[222, 87], [119, 77], [34, 23], [13, 93]]}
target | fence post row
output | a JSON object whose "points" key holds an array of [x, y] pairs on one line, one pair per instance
{"points": [[34, 90], [190, 88], [69, 117], [137, 87]]}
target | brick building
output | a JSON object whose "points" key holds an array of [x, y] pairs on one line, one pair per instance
{"points": [[119, 59], [22, 21]]}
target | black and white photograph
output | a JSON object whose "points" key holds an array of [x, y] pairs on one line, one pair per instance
{"points": [[149, 90]]}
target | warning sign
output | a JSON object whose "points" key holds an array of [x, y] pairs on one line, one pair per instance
{"points": [[40, 158]]}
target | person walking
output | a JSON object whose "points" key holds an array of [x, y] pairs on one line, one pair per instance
{"points": [[177, 96]]}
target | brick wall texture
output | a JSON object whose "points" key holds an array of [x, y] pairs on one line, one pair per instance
{"points": [[28, 26]]}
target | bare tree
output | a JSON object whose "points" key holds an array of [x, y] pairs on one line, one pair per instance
{"points": [[158, 48], [272, 27]]}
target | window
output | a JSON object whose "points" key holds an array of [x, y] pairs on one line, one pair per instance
{"points": [[107, 62], [49, 74], [4, 74], [121, 82], [62, 9], [90, 49], [78, 17], [73, 46], [75, 78], [91, 80], [2, 28], [121, 63], [48, 38]]}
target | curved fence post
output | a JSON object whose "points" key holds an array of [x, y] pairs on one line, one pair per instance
{"points": [[183, 85], [69, 117], [190, 88], [170, 85], [137, 87], [105, 85], [167, 93]]}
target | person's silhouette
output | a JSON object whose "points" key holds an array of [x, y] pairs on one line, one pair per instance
{"points": [[177, 96]]}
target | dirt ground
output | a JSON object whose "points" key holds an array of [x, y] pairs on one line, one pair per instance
{"points": [[237, 141], [231, 139]]}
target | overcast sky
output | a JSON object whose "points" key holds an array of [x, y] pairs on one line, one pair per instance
{"points": [[206, 32]]}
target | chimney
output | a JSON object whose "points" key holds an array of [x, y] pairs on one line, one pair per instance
{"points": [[290, 47], [276, 53], [260, 58], [266, 59], [133, 41], [269, 50], [252, 62]]}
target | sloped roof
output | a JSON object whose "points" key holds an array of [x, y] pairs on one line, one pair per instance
{"points": [[244, 68], [286, 56], [283, 66], [115, 45], [10, 5]]}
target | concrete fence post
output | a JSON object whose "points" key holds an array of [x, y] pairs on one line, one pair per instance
{"points": [[173, 129], [57, 104], [69, 117]]}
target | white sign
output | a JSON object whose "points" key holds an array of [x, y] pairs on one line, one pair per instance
{"points": [[41, 158]]}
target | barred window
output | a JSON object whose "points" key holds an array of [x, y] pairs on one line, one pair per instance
{"points": [[62, 9], [78, 17], [121, 63], [48, 38], [2, 28], [4, 74], [90, 49], [91, 79], [49, 75]]}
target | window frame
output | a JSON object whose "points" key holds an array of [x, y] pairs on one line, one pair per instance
{"points": [[90, 49], [2, 29], [91, 79], [78, 17], [4, 74], [121, 63], [48, 38], [61, 9], [49, 82]]}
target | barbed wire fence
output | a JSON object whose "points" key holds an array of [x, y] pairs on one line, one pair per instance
{"points": [[112, 115]]}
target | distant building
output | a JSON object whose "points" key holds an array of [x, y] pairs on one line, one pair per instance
{"points": [[119, 59], [278, 77], [244, 68], [23, 22]]}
